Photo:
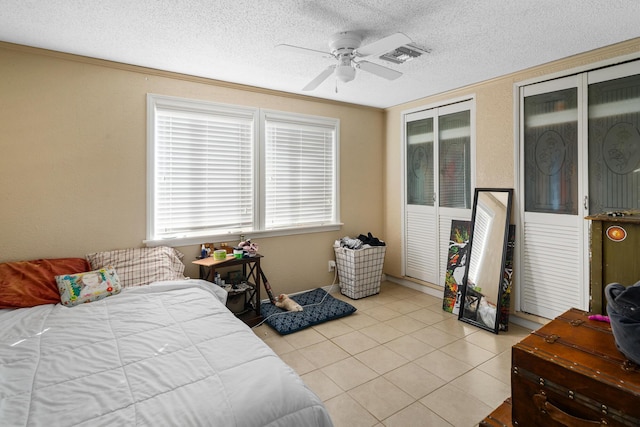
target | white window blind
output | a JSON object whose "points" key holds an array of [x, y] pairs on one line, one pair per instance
{"points": [[300, 175], [221, 171], [203, 170]]}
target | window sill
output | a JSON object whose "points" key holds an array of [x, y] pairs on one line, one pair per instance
{"points": [[254, 235]]}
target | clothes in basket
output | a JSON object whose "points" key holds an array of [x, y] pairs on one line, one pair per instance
{"points": [[359, 270]]}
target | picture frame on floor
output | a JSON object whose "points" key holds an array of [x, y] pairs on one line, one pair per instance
{"points": [[456, 262]]}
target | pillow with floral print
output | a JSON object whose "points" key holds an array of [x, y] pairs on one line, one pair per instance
{"points": [[88, 286]]}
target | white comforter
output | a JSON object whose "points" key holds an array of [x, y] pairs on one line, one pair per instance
{"points": [[165, 354]]}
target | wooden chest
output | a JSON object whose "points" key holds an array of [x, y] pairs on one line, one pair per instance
{"points": [[570, 373], [500, 417]]}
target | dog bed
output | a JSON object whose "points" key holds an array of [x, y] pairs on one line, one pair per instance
{"points": [[287, 322]]}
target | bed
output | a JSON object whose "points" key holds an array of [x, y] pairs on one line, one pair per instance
{"points": [[164, 353]]}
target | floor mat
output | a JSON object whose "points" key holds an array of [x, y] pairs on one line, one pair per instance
{"points": [[287, 322]]}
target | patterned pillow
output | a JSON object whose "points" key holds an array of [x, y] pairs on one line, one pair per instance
{"points": [[141, 266], [88, 286]]}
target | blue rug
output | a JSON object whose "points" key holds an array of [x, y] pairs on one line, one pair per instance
{"points": [[287, 322]]}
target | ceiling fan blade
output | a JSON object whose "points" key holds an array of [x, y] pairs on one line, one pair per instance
{"points": [[383, 45], [319, 78], [379, 70], [303, 50]]}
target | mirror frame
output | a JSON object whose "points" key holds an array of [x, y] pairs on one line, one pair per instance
{"points": [[505, 241]]}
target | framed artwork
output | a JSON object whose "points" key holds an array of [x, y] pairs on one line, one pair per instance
{"points": [[456, 262], [507, 281]]}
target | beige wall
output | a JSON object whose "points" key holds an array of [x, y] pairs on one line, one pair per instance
{"points": [[73, 161], [494, 135], [73, 157]]}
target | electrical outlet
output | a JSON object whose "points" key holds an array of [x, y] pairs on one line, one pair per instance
{"points": [[332, 265]]}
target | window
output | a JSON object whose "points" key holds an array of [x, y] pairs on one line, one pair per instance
{"points": [[551, 152], [420, 177], [455, 159], [220, 170], [299, 170]]}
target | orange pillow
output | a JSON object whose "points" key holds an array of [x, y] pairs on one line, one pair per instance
{"points": [[31, 283]]}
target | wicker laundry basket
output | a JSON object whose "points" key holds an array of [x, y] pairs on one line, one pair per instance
{"points": [[360, 270]]}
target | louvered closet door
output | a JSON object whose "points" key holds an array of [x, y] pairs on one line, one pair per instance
{"points": [[552, 249], [455, 188], [438, 185], [420, 211]]}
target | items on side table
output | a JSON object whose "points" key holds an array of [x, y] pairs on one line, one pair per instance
{"points": [[244, 303]]}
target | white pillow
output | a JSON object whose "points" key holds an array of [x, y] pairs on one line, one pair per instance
{"points": [[141, 266]]}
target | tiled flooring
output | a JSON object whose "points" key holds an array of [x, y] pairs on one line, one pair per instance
{"points": [[400, 360]]}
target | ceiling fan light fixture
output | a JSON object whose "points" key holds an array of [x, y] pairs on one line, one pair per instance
{"points": [[346, 49], [345, 73]]}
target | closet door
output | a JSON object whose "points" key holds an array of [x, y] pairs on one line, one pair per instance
{"points": [[439, 158], [420, 207], [552, 201], [455, 191], [579, 156]]}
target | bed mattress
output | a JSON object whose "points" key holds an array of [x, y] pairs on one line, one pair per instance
{"points": [[169, 353]]}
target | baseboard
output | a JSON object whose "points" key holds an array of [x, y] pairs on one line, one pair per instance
{"points": [[416, 287], [525, 323], [513, 317]]}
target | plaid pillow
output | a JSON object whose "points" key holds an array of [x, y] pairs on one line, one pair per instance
{"points": [[141, 266]]}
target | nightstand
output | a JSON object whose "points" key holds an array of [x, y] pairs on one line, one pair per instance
{"points": [[250, 270]]}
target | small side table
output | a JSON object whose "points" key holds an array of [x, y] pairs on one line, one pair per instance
{"points": [[250, 270]]}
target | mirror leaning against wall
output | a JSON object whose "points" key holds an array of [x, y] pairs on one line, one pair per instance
{"points": [[481, 294]]}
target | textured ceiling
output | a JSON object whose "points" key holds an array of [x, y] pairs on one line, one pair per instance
{"points": [[234, 40]]}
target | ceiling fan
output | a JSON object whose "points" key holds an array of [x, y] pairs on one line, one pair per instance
{"points": [[346, 49]]}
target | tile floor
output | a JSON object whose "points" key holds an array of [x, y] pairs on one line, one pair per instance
{"points": [[400, 360]]}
